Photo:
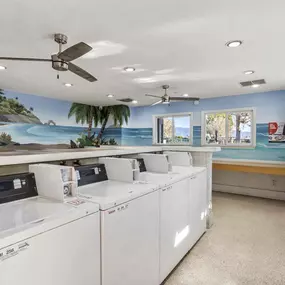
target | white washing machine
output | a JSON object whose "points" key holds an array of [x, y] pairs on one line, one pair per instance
{"points": [[43, 241], [181, 162], [129, 221], [175, 227]]}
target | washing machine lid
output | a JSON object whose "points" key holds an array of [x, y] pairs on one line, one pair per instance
{"points": [[111, 193], [25, 218], [190, 170], [163, 179]]}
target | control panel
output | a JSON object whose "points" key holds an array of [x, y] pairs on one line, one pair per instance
{"points": [[141, 164], [17, 187], [87, 174]]}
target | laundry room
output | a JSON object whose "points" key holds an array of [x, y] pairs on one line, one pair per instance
{"points": [[142, 146]]}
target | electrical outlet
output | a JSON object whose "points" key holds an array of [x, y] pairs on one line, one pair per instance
{"points": [[274, 182]]}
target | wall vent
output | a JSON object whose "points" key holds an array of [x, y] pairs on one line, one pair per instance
{"points": [[126, 100], [250, 83]]}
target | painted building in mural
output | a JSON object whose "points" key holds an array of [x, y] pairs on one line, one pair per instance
{"points": [[36, 119]]}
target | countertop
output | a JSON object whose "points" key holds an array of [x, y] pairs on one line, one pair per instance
{"points": [[33, 156]]}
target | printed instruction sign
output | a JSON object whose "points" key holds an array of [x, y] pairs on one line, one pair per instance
{"points": [[276, 132]]}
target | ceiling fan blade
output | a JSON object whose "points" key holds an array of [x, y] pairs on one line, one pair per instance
{"points": [[25, 59], [81, 72], [152, 96], [158, 102], [74, 52], [184, 99]]}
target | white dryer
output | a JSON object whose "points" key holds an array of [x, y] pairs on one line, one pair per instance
{"points": [[129, 221], [182, 162], [175, 227], [43, 241]]}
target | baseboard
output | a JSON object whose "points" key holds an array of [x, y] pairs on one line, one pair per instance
{"points": [[269, 194]]}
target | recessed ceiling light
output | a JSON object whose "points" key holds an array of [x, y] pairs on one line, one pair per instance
{"points": [[68, 84], [248, 72], [234, 43], [110, 95], [2, 67], [129, 69], [255, 85], [185, 95], [135, 102]]}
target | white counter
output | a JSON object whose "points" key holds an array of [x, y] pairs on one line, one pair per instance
{"points": [[25, 156], [191, 148]]}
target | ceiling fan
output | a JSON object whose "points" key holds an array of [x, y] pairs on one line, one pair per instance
{"points": [[165, 99], [62, 60]]}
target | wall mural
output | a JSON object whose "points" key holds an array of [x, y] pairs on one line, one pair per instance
{"points": [[270, 107], [29, 119]]}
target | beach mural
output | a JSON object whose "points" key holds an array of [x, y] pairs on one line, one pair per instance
{"points": [[27, 119]]}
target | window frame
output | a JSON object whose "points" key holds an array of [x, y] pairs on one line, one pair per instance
{"points": [[167, 115], [226, 111]]}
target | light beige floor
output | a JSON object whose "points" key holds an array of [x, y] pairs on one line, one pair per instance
{"points": [[246, 245]]}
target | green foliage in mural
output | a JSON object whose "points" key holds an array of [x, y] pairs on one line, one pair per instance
{"points": [[84, 140], [6, 138], [85, 114], [120, 114], [10, 106], [105, 141], [93, 115]]}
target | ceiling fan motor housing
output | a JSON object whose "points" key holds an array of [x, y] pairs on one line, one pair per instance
{"points": [[58, 64], [60, 38]]}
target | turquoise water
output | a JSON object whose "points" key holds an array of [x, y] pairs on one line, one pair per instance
{"points": [[44, 134]]}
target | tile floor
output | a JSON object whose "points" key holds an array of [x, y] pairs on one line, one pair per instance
{"points": [[246, 245]]}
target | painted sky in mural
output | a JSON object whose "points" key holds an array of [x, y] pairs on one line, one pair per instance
{"points": [[46, 108]]}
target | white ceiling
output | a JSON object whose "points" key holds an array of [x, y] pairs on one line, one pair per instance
{"points": [[181, 43]]}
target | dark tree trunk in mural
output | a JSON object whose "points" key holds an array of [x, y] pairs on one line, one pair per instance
{"points": [[89, 128], [103, 127], [238, 118]]}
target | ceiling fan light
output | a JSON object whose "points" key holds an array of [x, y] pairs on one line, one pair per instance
{"points": [[248, 72], [129, 69], [233, 44]]}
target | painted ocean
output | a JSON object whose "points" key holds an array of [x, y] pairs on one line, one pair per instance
{"points": [[45, 134], [48, 134]]}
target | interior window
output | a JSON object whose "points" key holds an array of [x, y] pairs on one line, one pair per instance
{"points": [[174, 129], [229, 128]]}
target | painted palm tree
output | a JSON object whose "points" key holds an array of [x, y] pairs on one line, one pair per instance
{"points": [[85, 114], [119, 113]]}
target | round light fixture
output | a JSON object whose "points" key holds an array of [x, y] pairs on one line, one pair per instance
{"points": [[185, 95], [255, 85], [68, 84], [129, 69], [135, 102], [233, 44], [248, 72], [2, 67], [110, 95]]}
